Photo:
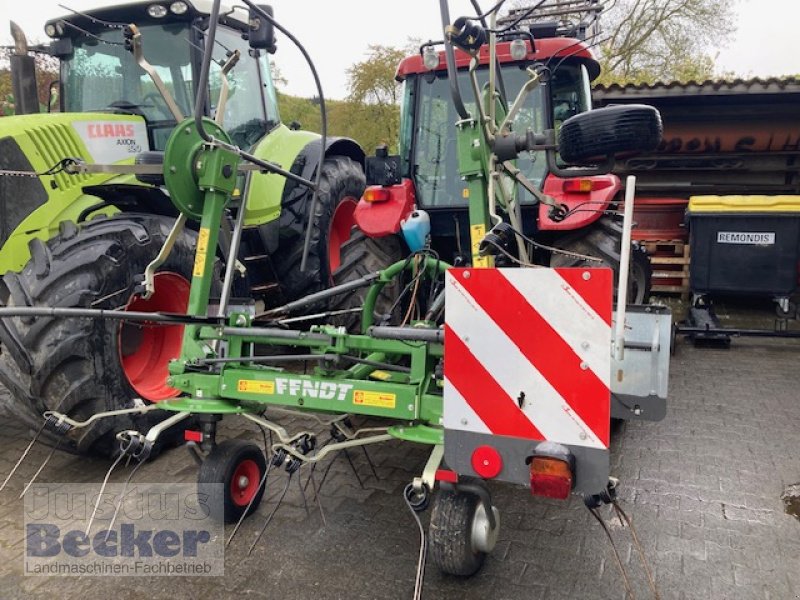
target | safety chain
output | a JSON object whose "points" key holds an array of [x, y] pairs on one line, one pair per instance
{"points": [[63, 165]]}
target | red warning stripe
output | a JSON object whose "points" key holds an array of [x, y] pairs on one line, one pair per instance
{"points": [[499, 411], [596, 296], [543, 347]]}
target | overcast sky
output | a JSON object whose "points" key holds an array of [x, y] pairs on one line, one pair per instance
{"points": [[338, 32]]}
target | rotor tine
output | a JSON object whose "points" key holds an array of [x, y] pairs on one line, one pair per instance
{"points": [[103, 489], [352, 466], [122, 496], [371, 464], [303, 495], [24, 454], [316, 496], [271, 514], [310, 473], [249, 504], [325, 475], [41, 468]]}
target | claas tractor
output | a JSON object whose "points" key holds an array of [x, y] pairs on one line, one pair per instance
{"points": [[558, 209], [505, 371], [92, 239]]}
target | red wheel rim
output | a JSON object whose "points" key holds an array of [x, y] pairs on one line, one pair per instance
{"points": [[339, 232], [244, 482], [144, 349]]}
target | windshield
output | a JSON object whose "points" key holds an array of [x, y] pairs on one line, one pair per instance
{"points": [[435, 157], [101, 75], [250, 90]]}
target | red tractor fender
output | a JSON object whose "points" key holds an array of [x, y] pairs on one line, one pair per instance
{"points": [[585, 200], [379, 218]]}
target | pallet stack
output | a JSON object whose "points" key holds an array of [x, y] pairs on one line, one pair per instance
{"points": [[670, 260]]}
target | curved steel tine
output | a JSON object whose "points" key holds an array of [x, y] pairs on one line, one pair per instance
{"points": [[272, 514], [122, 496], [263, 483], [123, 452], [24, 454], [40, 469]]}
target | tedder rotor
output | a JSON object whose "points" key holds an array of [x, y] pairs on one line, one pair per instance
{"points": [[505, 373]]}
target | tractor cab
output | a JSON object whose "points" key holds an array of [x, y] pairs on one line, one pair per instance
{"points": [[428, 139], [99, 73]]}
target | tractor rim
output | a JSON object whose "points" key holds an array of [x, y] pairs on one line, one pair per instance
{"points": [[339, 231], [245, 482], [145, 351]]}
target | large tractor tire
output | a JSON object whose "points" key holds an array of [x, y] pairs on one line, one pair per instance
{"points": [[83, 366], [603, 240], [342, 183], [362, 255]]}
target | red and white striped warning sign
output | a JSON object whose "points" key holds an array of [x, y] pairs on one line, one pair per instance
{"points": [[528, 353]]}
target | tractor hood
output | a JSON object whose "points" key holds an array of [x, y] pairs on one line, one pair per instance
{"points": [[38, 143]]}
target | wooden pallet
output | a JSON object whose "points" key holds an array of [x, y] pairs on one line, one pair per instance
{"points": [[670, 260]]}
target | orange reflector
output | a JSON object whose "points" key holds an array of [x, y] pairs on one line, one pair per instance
{"points": [[579, 186], [376, 194], [550, 477]]}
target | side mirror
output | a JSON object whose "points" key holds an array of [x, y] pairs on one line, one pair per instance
{"points": [[382, 169], [262, 31], [603, 133]]}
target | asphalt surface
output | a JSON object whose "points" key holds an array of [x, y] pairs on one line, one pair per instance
{"points": [[703, 488]]}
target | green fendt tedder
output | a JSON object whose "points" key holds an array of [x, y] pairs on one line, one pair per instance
{"points": [[84, 239], [506, 373]]}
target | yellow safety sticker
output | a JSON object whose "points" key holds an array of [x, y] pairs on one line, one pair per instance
{"points": [[476, 235], [256, 387], [379, 399], [381, 375], [465, 193], [202, 251]]}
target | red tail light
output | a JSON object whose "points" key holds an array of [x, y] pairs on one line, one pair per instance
{"points": [[550, 477], [578, 186], [376, 194]]}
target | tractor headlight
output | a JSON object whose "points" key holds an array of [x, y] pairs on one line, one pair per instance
{"points": [[178, 8], [157, 11], [519, 49], [50, 30], [430, 58]]}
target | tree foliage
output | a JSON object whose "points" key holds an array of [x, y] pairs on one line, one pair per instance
{"points": [[371, 112], [643, 41], [649, 40]]}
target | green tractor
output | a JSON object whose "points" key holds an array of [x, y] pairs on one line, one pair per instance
{"points": [[69, 238]]}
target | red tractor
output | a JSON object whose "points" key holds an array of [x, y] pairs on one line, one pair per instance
{"points": [[557, 211]]}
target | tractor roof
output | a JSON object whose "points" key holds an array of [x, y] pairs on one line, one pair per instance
{"points": [[558, 48], [136, 12]]}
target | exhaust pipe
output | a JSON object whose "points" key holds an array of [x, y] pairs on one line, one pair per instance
{"points": [[23, 75]]}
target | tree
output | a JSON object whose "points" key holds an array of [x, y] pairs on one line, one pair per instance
{"points": [[661, 40], [375, 97]]}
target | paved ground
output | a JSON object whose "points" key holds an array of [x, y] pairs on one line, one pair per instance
{"points": [[703, 487]]}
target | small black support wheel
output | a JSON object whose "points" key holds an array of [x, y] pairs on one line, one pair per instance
{"points": [[239, 466], [460, 536]]}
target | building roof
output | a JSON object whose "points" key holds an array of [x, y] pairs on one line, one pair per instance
{"points": [[661, 89]]}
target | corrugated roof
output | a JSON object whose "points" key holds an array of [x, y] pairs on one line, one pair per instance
{"points": [[757, 85]]}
